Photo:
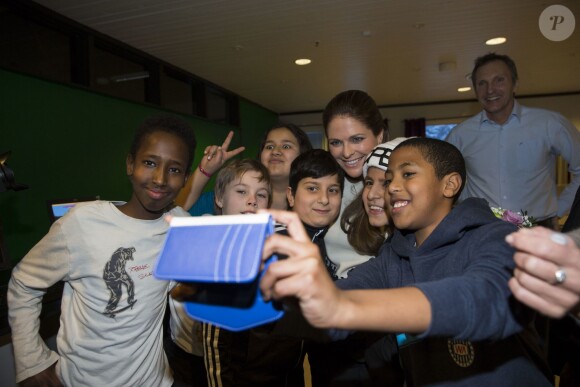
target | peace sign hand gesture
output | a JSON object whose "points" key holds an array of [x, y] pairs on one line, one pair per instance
{"points": [[215, 156]]}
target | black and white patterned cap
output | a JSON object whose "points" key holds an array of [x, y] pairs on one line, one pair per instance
{"points": [[379, 156]]}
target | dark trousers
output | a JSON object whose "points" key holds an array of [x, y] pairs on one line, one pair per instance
{"points": [[188, 369]]}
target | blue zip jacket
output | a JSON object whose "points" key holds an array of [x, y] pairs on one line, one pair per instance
{"points": [[479, 334]]}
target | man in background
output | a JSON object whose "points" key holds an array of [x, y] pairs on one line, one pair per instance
{"points": [[510, 150]]}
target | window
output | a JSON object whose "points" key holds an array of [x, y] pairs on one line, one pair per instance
{"points": [[221, 107], [34, 48], [177, 92], [36, 41], [118, 76], [317, 139], [217, 106], [438, 131]]}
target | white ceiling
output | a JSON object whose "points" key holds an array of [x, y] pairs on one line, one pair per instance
{"points": [[390, 48]]}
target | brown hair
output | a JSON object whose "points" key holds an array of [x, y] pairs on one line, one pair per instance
{"points": [[492, 56], [358, 105], [304, 144], [234, 170], [362, 236]]}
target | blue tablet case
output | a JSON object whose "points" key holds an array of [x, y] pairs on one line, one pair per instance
{"points": [[221, 257]]}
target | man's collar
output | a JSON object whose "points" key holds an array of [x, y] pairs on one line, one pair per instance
{"points": [[516, 112]]}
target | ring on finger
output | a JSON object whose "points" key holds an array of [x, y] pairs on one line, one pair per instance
{"points": [[560, 276], [558, 238]]}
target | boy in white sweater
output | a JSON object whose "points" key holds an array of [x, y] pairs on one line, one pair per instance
{"points": [[112, 307]]}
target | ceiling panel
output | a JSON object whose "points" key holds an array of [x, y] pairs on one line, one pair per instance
{"points": [[391, 49]]}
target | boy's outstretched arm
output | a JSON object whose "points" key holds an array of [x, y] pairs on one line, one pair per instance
{"points": [[304, 276], [213, 159]]}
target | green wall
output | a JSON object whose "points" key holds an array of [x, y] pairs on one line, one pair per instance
{"points": [[254, 123], [69, 142]]}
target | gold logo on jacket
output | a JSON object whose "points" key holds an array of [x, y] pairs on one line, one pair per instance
{"points": [[461, 352]]}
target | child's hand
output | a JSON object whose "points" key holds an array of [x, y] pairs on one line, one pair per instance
{"points": [[303, 275], [215, 156], [183, 291], [46, 378]]}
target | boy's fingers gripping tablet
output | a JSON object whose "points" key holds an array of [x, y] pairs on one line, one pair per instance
{"points": [[184, 291], [292, 222]]}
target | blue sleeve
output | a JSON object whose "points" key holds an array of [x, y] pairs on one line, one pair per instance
{"points": [[371, 274], [363, 276], [453, 137], [477, 304], [203, 205]]}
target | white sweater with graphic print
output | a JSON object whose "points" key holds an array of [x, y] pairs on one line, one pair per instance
{"points": [[112, 307]]}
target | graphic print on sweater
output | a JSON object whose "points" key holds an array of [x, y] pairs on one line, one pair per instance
{"points": [[115, 276]]}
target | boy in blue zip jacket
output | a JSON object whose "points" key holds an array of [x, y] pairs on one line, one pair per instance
{"points": [[441, 281]]}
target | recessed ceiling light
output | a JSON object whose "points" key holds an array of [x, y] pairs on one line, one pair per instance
{"points": [[302, 62], [496, 41], [463, 89]]}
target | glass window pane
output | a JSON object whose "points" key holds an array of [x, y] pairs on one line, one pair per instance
{"points": [[115, 75], [34, 49], [316, 139], [176, 94], [438, 131], [216, 106]]}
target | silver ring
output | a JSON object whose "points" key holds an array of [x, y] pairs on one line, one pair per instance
{"points": [[558, 238], [560, 276]]}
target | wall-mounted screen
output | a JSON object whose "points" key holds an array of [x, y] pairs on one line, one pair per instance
{"points": [[58, 207]]}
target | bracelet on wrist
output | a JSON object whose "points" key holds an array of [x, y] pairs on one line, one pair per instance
{"points": [[204, 171]]}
